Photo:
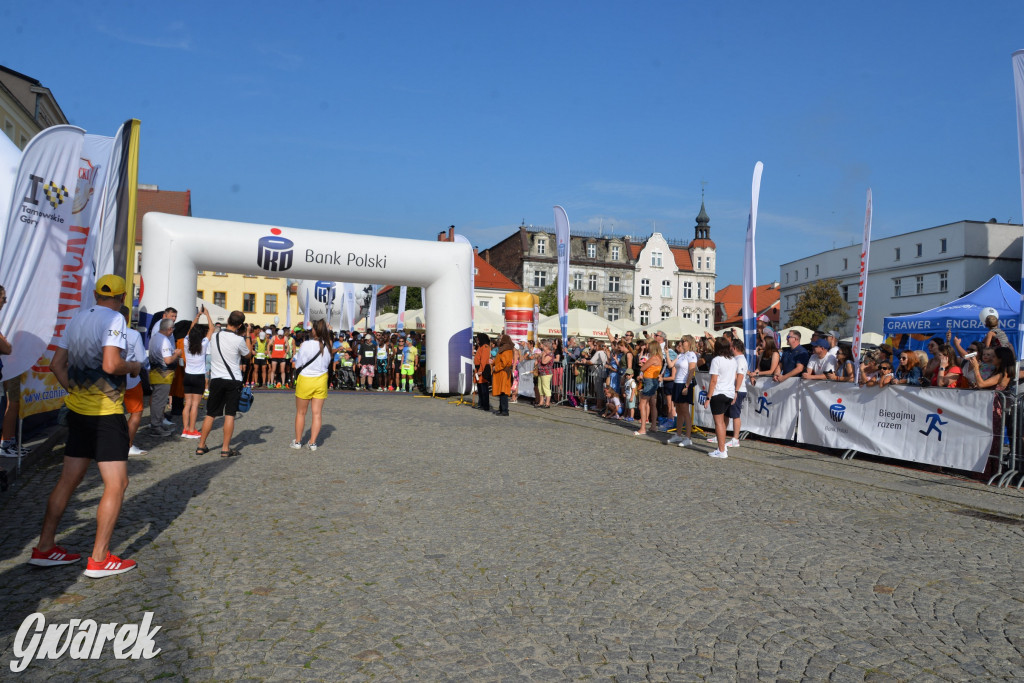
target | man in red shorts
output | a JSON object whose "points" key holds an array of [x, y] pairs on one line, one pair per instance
{"points": [[89, 363]]}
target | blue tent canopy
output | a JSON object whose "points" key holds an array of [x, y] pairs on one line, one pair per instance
{"points": [[961, 316]]}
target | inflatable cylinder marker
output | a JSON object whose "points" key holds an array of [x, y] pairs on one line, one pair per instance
{"points": [[178, 246], [519, 322]]}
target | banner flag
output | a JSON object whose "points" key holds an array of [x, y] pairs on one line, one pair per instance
{"points": [[35, 246], [305, 312], [115, 244], [750, 272], [371, 315], [400, 325], [858, 329], [1018, 84], [10, 158], [562, 238], [948, 428], [287, 305], [350, 304]]}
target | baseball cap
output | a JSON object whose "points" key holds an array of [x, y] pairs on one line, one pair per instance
{"points": [[629, 371], [263, 335], [280, 332], [110, 285], [820, 343], [763, 318], [832, 333], [298, 328]]}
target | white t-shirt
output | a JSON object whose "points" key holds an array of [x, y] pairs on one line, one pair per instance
{"points": [[834, 352], [232, 349], [196, 365], [135, 350], [819, 366], [93, 391], [725, 368], [160, 347], [308, 351], [682, 363], [742, 367]]}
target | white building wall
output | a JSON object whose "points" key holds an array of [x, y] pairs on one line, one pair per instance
{"points": [[653, 303]]}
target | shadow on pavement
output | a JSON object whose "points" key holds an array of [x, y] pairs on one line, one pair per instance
{"points": [[144, 517]]}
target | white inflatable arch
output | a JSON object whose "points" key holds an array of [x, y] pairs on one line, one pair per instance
{"points": [[179, 246]]}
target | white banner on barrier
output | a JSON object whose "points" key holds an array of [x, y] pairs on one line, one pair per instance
{"points": [[943, 427], [771, 408]]}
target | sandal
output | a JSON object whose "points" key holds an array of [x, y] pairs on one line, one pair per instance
{"points": [[229, 453], [639, 433], [202, 450]]}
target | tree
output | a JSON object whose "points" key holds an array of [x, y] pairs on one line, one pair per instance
{"points": [[549, 300], [820, 306], [413, 300]]}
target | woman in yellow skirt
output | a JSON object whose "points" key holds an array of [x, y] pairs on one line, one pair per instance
{"points": [[313, 362]]}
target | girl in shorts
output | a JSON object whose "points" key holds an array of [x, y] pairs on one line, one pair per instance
{"points": [[313, 362], [629, 393], [721, 391], [650, 370], [684, 370], [195, 372]]}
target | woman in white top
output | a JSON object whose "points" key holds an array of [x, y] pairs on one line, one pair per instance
{"points": [[682, 375], [196, 345], [313, 362], [722, 391]]}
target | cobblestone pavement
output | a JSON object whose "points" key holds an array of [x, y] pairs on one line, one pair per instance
{"points": [[434, 542]]}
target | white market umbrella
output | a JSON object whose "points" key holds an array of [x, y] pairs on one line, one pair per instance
{"points": [[872, 338], [487, 321], [626, 325], [582, 323], [676, 326], [218, 313]]}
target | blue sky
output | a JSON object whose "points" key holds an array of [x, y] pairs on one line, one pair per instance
{"points": [[402, 118]]}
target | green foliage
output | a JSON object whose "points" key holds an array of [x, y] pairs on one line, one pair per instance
{"points": [[413, 300], [820, 307], [549, 300]]}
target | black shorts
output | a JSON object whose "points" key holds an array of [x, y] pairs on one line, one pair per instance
{"points": [[103, 438], [194, 384], [720, 404], [737, 407], [224, 395], [681, 393], [261, 362]]}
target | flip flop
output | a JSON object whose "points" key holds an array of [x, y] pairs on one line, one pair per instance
{"points": [[229, 453], [639, 433], [202, 450]]}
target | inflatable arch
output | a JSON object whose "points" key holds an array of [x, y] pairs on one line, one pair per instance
{"points": [[179, 246]]}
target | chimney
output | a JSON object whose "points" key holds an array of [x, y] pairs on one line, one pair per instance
{"points": [[451, 233], [440, 237], [487, 256], [476, 251]]}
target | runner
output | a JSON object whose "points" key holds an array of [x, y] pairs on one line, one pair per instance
{"points": [[259, 349], [382, 362], [278, 351], [367, 360], [89, 363], [409, 356]]}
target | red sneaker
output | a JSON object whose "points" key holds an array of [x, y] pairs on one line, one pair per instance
{"points": [[108, 567], [53, 558]]}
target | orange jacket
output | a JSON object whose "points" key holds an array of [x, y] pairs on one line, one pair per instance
{"points": [[501, 380]]}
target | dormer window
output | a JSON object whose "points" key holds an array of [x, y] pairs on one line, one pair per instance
{"points": [[615, 252], [542, 246], [591, 250], [700, 262], [656, 259]]}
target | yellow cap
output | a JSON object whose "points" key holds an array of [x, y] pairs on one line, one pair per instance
{"points": [[110, 285]]}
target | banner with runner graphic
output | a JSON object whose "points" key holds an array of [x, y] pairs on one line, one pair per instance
{"points": [[943, 427], [771, 408]]}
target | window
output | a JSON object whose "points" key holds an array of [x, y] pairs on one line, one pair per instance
{"points": [[796, 275], [919, 284], [613, 314], [846, 292], [706, 320], [577, 280], [270, 303], [592, 283], [542, 246], [687, 316], [220, 299], [540, 278], [817, 269], [645, 317], [700, 262], [846, 263], [666, 314], [687, 290], [221, 274], [199, 293], [645, 287], [591, 251], [897, 253], [656, 259], [920, 249], [787, 278], [943, 281], [666, 288], [897, 287], [613, 283], [248, 302], [198, 272], [707, 294], [592, 308], [807, 273], [942, 245], [484, 303], [615, 252]]}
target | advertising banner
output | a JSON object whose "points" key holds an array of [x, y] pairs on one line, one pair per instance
{"points": [[943, 427], [858, 328], [771, 408], [1018, 85], [400, 325], [701, 413], [563, 240], [750, 272]]}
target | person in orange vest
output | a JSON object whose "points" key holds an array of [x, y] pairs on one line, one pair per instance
{"points": [[278, 353]]}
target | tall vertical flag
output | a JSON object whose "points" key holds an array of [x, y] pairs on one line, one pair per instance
{"points": [[371, 314], [862, 292], [115, 240], [562, 240], [288, 305], [350, 304], [400, 325], [306, 312], [750, 272], [1018, 84]]}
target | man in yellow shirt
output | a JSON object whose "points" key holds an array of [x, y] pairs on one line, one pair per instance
{"points": [[89, 363]]}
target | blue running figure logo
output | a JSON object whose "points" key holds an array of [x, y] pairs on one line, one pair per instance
{"points": [[934, 422], [762, 405]]}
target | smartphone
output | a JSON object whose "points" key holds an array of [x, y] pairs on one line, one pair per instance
{"points": [[971, 355]]}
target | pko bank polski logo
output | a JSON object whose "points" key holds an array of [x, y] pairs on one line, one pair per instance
{"points": [[82, 639], [275, 252], [323, 291], [837, 410]]}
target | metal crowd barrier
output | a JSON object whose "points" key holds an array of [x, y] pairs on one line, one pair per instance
{"points": [[578, 385]]}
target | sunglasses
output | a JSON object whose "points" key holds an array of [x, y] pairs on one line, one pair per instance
{"points": [[887, 367]]}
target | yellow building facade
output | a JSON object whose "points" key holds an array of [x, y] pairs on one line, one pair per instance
{"points": [[264, 300]]}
